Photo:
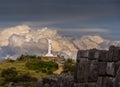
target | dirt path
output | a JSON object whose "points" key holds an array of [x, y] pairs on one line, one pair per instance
{"points": [[59, 70]]}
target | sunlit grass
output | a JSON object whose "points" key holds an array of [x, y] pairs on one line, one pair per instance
{"points": [[20, 67]]}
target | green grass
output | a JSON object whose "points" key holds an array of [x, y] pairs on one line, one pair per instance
{"points": [[21, 68]]}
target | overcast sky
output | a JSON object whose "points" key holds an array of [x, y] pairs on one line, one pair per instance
{"points": [[70, 17]]}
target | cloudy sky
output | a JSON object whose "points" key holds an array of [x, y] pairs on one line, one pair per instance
{"points": [[69, 17]]}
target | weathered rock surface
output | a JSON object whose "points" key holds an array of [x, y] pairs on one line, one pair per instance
{"points": [[82, 70], [102, 68], [60, 81]]}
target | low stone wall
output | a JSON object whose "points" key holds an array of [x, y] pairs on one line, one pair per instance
{"points": [[94, 68]]}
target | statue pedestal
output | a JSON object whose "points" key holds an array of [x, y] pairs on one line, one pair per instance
{"points": [[49, 55]]}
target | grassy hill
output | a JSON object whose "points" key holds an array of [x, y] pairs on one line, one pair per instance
{"points": [[21, 68], [28, 69], [37, 67]]}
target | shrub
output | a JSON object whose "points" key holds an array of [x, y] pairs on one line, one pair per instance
{"points": [[9, 74], [28, 57], [11, 61], [33, 65], [45, 67], [69, 66], [26, 77]]}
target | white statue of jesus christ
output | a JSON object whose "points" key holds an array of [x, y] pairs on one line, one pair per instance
{"points": [[49, 48]]}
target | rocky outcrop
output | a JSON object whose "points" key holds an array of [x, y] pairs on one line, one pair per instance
{"points": [[65, 80], [94, 68]]}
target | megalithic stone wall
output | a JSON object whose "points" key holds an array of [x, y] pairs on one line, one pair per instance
{"points": [[98, 68], [94, 68]]}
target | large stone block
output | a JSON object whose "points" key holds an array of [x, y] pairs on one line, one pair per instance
{"points": [[103, 56], [84, 85], [82, 54], [102, 68], [117, 78], [65, 81], [93, 54], [50, 82], [105, 82], [116, 56], [40, 83], [93, 71], [46, 85], [79, 85], [111, 53], [90, 85], [79, 53], [100, 82], [119, 84], [82, 70], [117, 64], [110, 69], [85, 54], [110, 81], [96, 54], [76, 73]]}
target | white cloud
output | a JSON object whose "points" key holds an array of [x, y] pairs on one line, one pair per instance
{"points": [[22, 39], [25, 40], [6, 33], [85, 30], [16, 40]]}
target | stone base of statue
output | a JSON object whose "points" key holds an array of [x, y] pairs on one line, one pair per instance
{"points": [[49, 55]]}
